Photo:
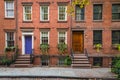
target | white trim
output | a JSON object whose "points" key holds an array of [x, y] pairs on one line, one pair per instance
{"points": [[65, 14], [23, 40], [6, 12], [65, 36], [24, 13], [41, 13]]}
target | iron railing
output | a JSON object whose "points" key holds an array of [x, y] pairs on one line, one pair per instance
{"points": [[71, 54], [86, 52], [31, 56]]}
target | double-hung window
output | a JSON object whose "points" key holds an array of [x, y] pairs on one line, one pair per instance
{"points": [[9, 9], [44, 37], [27, 13], [115, 11], [62, 15], [44, 13], [9, 39], [97, 12], [79, 13], [116, 37], [62, 37], [97, 37]]}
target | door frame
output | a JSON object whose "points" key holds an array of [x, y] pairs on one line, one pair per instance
{"points": [[23, 40], [82, 31]]}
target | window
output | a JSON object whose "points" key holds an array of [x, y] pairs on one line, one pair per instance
{"points": [[27, 13], [116, 37], [79, 13], [44, 37], [97, 61], [9, 39], [9, 9], [62, 37], [44, 13], [97, 12], [116, 12], [62, 15], [97, 37]]}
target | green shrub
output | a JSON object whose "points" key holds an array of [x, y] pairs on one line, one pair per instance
{"points": [[68, 61], [62, 47], [44, 48]]}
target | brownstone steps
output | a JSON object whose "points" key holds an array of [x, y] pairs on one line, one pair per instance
{"points": [[80, 61], [22, 61]]}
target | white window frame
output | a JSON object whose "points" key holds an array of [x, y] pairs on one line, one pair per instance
{"points": [[65, 13], [65, 36], [6, 39], [9, 9], [24, 13], [41, 13], [41, 36]]}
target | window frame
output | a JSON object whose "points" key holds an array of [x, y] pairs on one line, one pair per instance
{"points": [[6, 37], [101, 18], [99, 60], [65, 37], [41, 36], [44, 13], [65, 12], [94, 37], [6, 16], [27, 13]]}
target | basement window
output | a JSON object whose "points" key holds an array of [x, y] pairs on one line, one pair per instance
{"points": [[45, 60], [97, 61], [62, 60]]}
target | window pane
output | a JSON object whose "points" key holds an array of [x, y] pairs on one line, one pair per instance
{"points": [[97, 11], [44, 13], [44, 37], [62, 13], [79, 13], [116, 11], [10, 39], [116, 37], [27, 13], [9, 7], [62, 37], [97, 37]]}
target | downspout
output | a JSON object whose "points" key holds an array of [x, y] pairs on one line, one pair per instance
{"points": [[16, 22]]}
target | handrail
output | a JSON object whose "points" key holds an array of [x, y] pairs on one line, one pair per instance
{"points": [[71, 53], [31, 56], [15, 55], [86, 52]]}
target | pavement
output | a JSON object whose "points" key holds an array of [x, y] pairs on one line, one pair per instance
{"points": [[57, 72]]}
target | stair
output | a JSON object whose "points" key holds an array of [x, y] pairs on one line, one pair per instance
{"points": [[80, 61], [22, 61]]}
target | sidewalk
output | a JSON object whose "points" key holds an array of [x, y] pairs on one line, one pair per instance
{"points": [[57, 72]]}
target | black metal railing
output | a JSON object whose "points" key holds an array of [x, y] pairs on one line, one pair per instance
{"points": [[31, 56], [15, 55], [86, 52], [71, 54]]}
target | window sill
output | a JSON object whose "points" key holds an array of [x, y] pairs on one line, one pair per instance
{"points": [[9, 18], [97, 20], [80, 21], [44, 21], [61, 21], [27, 21], [116, 20]]}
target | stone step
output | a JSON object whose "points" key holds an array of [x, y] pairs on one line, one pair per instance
{"points": [[80, 62], [79, 54], [22, 65], [22, 62], [24, 57], [81, 65], [79, 59]]}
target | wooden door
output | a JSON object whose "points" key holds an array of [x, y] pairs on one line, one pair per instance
{"points": [[77, 42]]}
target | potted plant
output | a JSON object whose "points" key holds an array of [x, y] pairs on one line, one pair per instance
{"points": [[62, 47], [10, 49], [116, 46], [98, 47], [44, 48]]}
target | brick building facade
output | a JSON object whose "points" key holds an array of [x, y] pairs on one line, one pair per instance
{"points": [[46, 21]]}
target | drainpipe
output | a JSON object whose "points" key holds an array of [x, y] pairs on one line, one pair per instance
{"points": [[16, 22]]}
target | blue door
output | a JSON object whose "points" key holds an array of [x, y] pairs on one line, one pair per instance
{"points": [[28, 44]]}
